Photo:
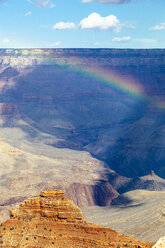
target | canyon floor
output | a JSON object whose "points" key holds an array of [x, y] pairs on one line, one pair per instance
{"points": [[139, 214]]}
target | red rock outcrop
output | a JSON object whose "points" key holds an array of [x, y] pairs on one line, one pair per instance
{"points": [[51, 220]]}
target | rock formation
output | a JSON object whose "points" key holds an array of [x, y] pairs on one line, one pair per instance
{"points": [[51, 220], [160, 243]]}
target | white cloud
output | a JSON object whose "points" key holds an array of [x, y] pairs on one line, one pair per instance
{"points": [[28, 13], [160, 26], [108, 1], [54, 44], [122, 39], [94, 22], [97, 22], [6, 41], [47, 4], [64, 25]]}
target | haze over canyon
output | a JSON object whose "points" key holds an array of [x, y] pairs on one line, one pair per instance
{"points": [[87, 121]]}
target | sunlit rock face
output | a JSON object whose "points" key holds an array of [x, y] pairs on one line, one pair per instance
{"points": [[160, 243], [51, 220]]}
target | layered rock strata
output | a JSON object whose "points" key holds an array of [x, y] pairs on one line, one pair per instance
{"points": [[51, 220]]}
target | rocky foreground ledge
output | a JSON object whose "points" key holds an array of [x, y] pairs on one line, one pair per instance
{"points": [[51, 220]]}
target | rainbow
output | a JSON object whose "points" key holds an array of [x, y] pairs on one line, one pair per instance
{"points": [[112, 80], [103, 76], [109, 78]]}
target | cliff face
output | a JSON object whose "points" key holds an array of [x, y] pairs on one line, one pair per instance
{"points": [[51, 220]]}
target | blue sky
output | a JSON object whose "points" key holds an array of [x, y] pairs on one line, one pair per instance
{"points": [[82, 23]]}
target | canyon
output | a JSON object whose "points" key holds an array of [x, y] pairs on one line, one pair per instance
{"points": [[64, 125]]}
